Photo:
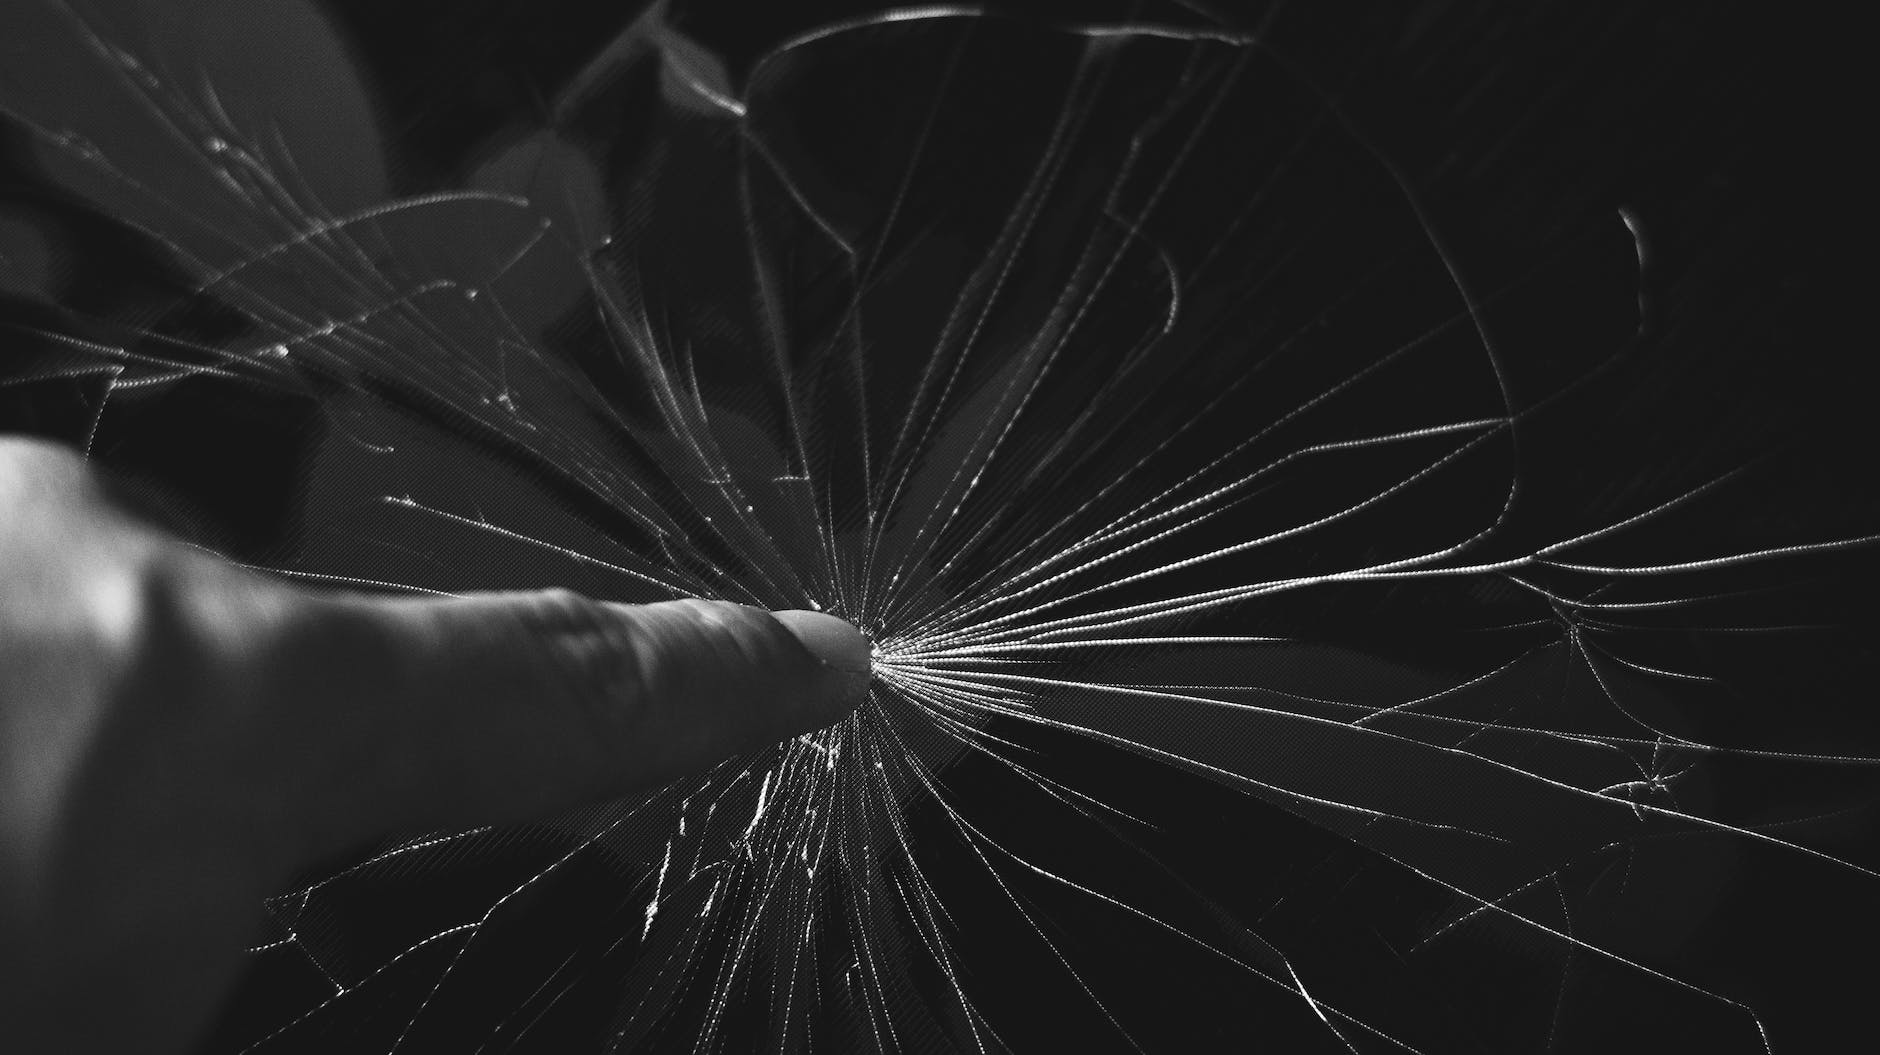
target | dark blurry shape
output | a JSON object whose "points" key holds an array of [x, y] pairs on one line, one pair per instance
{"points": [[26, 255], [60, 408]]}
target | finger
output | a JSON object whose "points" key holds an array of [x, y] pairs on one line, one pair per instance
{"points": [[429, 714]]}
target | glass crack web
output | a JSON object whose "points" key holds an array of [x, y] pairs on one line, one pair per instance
{"points": [[1255, 662]]}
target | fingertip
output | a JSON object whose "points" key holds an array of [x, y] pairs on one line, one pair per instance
{"points": [[845, 653], [834, 641]]}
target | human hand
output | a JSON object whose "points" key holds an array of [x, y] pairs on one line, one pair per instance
{"points": [[177, 735]]}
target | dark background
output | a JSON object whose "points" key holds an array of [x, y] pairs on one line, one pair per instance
{"points": [[1735, 140], [1734, 134]]}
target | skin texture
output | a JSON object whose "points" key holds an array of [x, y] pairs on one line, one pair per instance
{"points": [[178, 735]]}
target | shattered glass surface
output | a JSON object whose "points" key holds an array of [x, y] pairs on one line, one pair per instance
{"points": [[1339, 578]]}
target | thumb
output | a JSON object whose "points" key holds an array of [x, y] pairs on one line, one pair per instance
{"points": [[494, 708]]}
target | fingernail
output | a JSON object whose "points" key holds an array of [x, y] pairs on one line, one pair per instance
{"points": [[832, 640]]}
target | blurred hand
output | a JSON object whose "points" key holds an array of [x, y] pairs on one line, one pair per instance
{"points": [[178, 735]]}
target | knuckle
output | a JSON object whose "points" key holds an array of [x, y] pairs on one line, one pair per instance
{"points": [[213, 637], [588, 652], [166, 653], [552, 615], [217, 610], [149, 614]]}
